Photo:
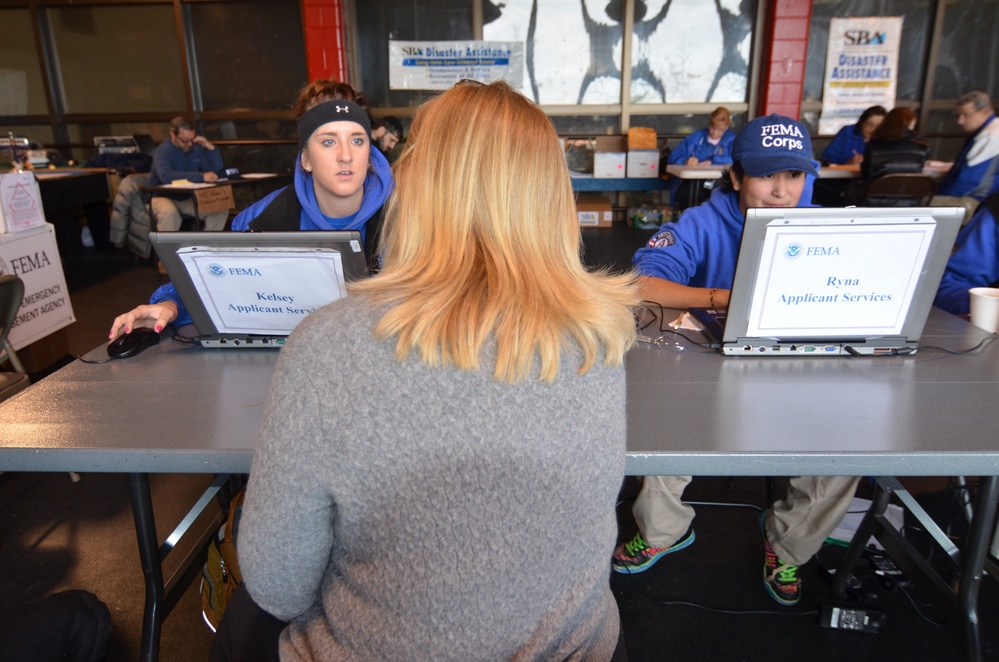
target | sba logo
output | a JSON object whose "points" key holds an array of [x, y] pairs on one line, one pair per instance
{"points": [[863, 38], [792, 251], [216, 270]]}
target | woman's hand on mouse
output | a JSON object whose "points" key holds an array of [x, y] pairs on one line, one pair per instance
{"points": [[153, 315]]}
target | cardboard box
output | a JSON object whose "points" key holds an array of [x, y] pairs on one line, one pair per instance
{"points": [[610, 144], [216, 198], [642, 137], [20, 203], [609, 165], [594, 210], [643, 163]]}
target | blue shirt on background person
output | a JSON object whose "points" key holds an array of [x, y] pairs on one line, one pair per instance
{"points": [[848, 145]]}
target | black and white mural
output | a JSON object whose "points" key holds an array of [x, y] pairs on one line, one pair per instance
{"points": [[683, 51]]}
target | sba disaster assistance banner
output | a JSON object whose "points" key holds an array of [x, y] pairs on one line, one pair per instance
{"points": [[438, 65], [861, 69]]}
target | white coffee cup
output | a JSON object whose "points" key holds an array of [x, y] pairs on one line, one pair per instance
{"points": [[985, 308]]}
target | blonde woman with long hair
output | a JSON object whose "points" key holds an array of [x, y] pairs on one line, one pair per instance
{"points": [[439, 460]]}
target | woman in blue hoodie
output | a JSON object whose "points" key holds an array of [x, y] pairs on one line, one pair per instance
{"points": [[691, 263], [340, 184]]}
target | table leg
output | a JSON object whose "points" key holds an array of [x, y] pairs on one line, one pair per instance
{"points": [[152, 570], [974, 562], [868, 527]]}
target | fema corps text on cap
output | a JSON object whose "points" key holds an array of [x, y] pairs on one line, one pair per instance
{"points": [[773, 144]]}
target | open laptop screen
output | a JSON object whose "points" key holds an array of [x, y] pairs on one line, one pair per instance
{"points": [[854, 275], [257, 283]]}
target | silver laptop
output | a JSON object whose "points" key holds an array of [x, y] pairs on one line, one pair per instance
{"points": [[832, 282], [251, 289]]}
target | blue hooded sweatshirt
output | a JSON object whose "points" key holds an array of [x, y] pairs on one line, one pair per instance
{"points": [[974, 262], [701, 248], [378, 185], [849, 142]]}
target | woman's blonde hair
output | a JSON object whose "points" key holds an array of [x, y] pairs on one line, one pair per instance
{"points": [[481, 239]]}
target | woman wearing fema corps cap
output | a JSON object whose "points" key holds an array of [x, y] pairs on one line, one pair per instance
{"points": [[340, 184], [691, 263]]}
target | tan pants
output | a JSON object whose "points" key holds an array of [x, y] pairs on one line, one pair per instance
{"points": [[167, 214], [796, 526], [969, 203]]}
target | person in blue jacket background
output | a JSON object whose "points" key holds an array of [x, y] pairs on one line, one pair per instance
{"points": [[691, 263], [848, 145], [340, 183], [710, 146], [974, 173], [975, 260]]}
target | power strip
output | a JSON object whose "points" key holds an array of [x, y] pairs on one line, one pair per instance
{"points": [[848, 616]]}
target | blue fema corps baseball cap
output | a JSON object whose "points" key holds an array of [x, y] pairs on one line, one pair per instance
{"points": [[773, 144]]}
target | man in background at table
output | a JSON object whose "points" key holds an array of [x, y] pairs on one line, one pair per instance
{"points": [[189, 156], [973, 176], [386, 133]]}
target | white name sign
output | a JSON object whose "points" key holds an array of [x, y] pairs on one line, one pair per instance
{"points": [[852, 280], [264, 291]]}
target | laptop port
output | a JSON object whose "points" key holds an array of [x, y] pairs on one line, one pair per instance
{"points": [[776, 348], [747, 348], [809, 348]]}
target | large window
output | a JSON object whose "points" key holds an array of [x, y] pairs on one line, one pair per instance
{"points": [[248, 55], [691, 51], [117, 59], [683, 57], [379, 21], [917, 18], [22, 89]]}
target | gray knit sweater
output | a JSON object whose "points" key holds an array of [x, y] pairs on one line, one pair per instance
{"points": [[400, 512]]}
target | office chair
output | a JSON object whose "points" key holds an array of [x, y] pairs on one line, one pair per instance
{"points": [[900, 190], [13, 382], [11, 294]]}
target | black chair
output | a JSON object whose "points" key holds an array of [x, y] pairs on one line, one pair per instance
{"points": [[11, 294], [900, 190]]}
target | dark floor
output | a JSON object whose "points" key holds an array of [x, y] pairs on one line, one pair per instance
{"points": [[704, 603]]}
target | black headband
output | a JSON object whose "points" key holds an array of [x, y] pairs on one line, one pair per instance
{"points": [[331, 111]]}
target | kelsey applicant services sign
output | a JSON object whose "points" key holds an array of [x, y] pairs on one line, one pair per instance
{"points": [[861, 69], [438, 65]]}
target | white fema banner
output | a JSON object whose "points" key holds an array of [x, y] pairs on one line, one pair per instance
{"points": [[438, 65], [33, 256], [861, 69]]}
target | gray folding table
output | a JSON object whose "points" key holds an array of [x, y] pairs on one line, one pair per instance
{"points": [[176, 409]]}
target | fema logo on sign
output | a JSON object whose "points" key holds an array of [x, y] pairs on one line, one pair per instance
{"points": [[216, 270], [662, 239], [792, 251]]}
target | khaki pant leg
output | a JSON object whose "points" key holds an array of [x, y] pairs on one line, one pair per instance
{"points": [[661, 516], [215, 221], [165, 214], [798, 524], [970, 204]]}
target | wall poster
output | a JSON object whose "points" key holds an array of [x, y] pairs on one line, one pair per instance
{"points": [[861, 69]]}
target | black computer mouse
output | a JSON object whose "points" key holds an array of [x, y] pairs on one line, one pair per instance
{"points": [[138, 340]]}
